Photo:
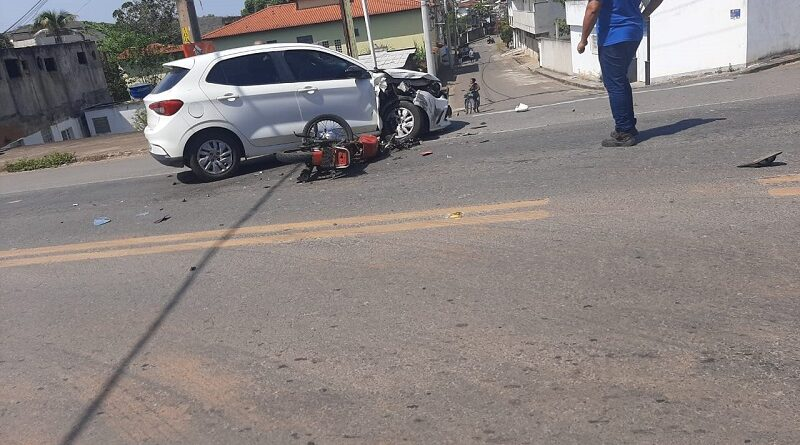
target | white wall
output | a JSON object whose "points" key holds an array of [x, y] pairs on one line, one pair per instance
{"points": [[72, 123], [698, 35], [556, 55], [120, 117], [772, 27], [584, 65]]}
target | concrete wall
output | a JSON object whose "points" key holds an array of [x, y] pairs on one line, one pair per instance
{"points": [[584, 65], [698, 35], [40, 97], [772, 28], [556, 55], [120, 117], [400, 30]]}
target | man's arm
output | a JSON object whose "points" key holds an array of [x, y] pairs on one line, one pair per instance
{"points": [[589, 20], [648, 10]]}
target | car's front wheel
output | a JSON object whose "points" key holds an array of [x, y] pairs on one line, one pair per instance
{"points": [[410, 121], [214, 155]]}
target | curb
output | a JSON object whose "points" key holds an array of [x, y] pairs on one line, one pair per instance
{"points": [[771, 64], [566, 81]]}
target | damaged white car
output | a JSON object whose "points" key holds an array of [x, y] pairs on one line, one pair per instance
{"points": [[214, 110], [423, 103]]}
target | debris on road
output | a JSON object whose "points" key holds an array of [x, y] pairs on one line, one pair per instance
{"points": [[426, 153], [478, 127], [193, 268], [484, 141], [143, 214], [766, 161], [101, 221], [456, 215], [75, 205], [521, 108], [14, 202], [162, 219], [184, 200]]}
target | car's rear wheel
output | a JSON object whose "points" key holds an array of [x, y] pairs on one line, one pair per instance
{"points": [[214, 155], [410, 121]]}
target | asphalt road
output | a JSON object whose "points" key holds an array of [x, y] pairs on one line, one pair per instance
{"points": [[587, 295]]}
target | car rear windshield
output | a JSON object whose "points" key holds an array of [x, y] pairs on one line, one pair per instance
{"points": [[171, 79]]}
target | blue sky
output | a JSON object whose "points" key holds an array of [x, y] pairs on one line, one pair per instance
{"points": [[100, 10]]}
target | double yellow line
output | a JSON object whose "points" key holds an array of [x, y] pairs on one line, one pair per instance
{"points": [[780, 192], [278, 233]]}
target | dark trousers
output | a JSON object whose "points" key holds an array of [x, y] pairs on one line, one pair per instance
{"points": [[614, 62]]}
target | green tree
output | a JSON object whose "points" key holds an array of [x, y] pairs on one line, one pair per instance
{"points": [[54, 21], [132, 43], [506, 33], [157, 19], [253, 6], [5, 42]]}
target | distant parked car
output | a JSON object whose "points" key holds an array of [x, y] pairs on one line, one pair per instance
{"points": [[212, 110]]}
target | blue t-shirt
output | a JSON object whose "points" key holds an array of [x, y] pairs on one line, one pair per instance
{"points": [[619, 21]]}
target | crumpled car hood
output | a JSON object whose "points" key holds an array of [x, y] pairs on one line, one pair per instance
{"points": [[408, 74]]}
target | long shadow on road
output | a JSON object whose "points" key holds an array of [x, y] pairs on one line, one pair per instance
{"points": [[112, 381], [677, 127]]}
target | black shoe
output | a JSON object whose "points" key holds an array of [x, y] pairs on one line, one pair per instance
{"points": [[619, 139], [615, 134]]}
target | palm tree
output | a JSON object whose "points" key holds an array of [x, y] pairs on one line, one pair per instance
{"points": [[54, 21]]}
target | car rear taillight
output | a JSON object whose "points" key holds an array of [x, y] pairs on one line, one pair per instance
{"points": [[166, 107]]}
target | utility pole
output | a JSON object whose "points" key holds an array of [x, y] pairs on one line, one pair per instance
{"points": [[187, 18], [426, 38], [348, 28], [369, 34]]}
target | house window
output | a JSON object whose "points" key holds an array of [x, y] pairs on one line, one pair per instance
{"points": [[338, 44], [325, 43], [82, 58], [67, 134], [50, 64], [355, 31], [12, 67], [305, 39], [101, 125]]}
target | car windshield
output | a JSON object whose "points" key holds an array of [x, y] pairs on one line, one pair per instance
{"points": [[171, 79]]}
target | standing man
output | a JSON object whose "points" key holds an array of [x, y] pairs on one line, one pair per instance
{"points": [[620, 28]]}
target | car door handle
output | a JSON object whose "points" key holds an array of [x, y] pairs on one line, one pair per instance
{"points": [[308, 90], [230, 97]]}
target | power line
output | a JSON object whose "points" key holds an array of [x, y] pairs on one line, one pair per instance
{"points": [[25, 17]]}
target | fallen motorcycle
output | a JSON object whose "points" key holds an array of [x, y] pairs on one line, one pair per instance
{"points": [[329, 149]]}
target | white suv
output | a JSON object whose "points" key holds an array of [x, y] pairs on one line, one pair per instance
{"points": [[212, 110]]}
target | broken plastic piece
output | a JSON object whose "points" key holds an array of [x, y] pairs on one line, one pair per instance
{"points": [[426, 153], [143, 214], [765, 161], [162, 219], [521, 108], [101, 220], [456, 215]]}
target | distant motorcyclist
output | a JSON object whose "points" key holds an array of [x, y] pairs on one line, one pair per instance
{"points": [[474, 90]]}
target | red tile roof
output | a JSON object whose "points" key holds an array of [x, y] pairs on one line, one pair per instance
{"points": [[287, 16]]}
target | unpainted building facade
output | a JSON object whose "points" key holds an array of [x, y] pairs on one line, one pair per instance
{"points": [[40, 85]]}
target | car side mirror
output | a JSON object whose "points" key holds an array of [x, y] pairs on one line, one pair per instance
{"points": [[354, 72]]}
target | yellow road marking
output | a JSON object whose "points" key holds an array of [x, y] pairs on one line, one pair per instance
{"points": [[779, 180], [283, 238], [784, 192], [255, 230]]}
